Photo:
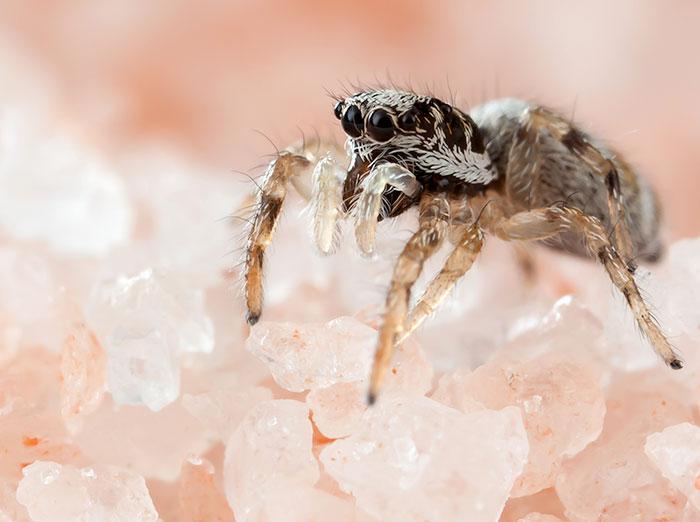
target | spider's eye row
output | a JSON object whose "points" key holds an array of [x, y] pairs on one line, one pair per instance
{"points": [[338, 110], [380, 126], [408, 120], [352, 122]]}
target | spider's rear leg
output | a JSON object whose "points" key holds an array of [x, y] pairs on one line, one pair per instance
{"points": [[576, 141], [371, 198], [433, 223], [543, 223], [467, 239]]}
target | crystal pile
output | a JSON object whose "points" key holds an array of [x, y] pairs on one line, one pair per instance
{"points": [[131, 388]]}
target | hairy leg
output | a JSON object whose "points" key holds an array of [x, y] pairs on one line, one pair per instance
{"points": [[273, 191], [467, 239], [562, 130], [370, 200], [291, 166], [543, 223], [433, 223]]}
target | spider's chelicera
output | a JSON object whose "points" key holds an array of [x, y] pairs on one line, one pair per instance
{"points": [[544, 179]]}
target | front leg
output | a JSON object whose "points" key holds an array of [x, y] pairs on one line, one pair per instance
{"points": [[466, 236], [289, 167], [433, 223]]}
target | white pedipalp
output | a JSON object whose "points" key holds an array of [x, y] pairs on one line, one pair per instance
{"points": [[369, 203], [327, 203]]}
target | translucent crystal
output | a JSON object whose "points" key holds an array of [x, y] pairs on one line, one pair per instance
{"points": [[539, 517], [337, 410], [154, 444], [55, 493], [29, 312], [550, 392], [145, 323], [613, 476], [307, 356], [543, 502], [83, 372], [184, 209], [269, 456], [222, 409], [10, 509], [200, 498], [84, 209], [417, 459], [31, 426], [675, 451]]}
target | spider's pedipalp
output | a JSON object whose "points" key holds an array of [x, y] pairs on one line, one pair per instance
{"points": [[327, 202], [433, 223], [369, 202]]}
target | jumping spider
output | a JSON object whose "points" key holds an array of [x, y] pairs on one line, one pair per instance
{"points": [[510, 168]]}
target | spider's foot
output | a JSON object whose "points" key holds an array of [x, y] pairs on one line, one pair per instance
{"points": [[252, 318]]}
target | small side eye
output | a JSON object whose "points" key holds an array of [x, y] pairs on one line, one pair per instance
{"points": [[380, 127], [338, 110], [352, 122], [408, 121]]}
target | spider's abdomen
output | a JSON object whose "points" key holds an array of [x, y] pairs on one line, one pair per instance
{"points": [[535, 153]]}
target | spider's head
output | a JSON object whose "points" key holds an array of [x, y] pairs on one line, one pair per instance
{"points": [[424, 134]]}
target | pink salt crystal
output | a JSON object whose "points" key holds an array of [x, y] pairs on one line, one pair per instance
{"points": [[83, 372], [539, 517], [612, 479], [165, 499], [54, 190], [200, 498], [416, 459], [269, 456], [10, 509], [55, 493], [29, 312], [153, 444], [561, 404], [306, 504], [222, 409], [307, 356], [543, 502], [675, 288], [337, 409], [146, 323], [675, 451], [476, 320], [185, 209], [568, 327], [31, 426]]}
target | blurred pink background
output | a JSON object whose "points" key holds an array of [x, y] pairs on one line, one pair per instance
{"points": [[202, 76]]}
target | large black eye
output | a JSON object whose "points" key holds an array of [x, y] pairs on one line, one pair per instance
{"points": [[408, 120], [338, 110], [379, 126], [352, 122]]}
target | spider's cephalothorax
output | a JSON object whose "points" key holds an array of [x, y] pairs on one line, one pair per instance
{"points": [[425, 135], [543, 178]]}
